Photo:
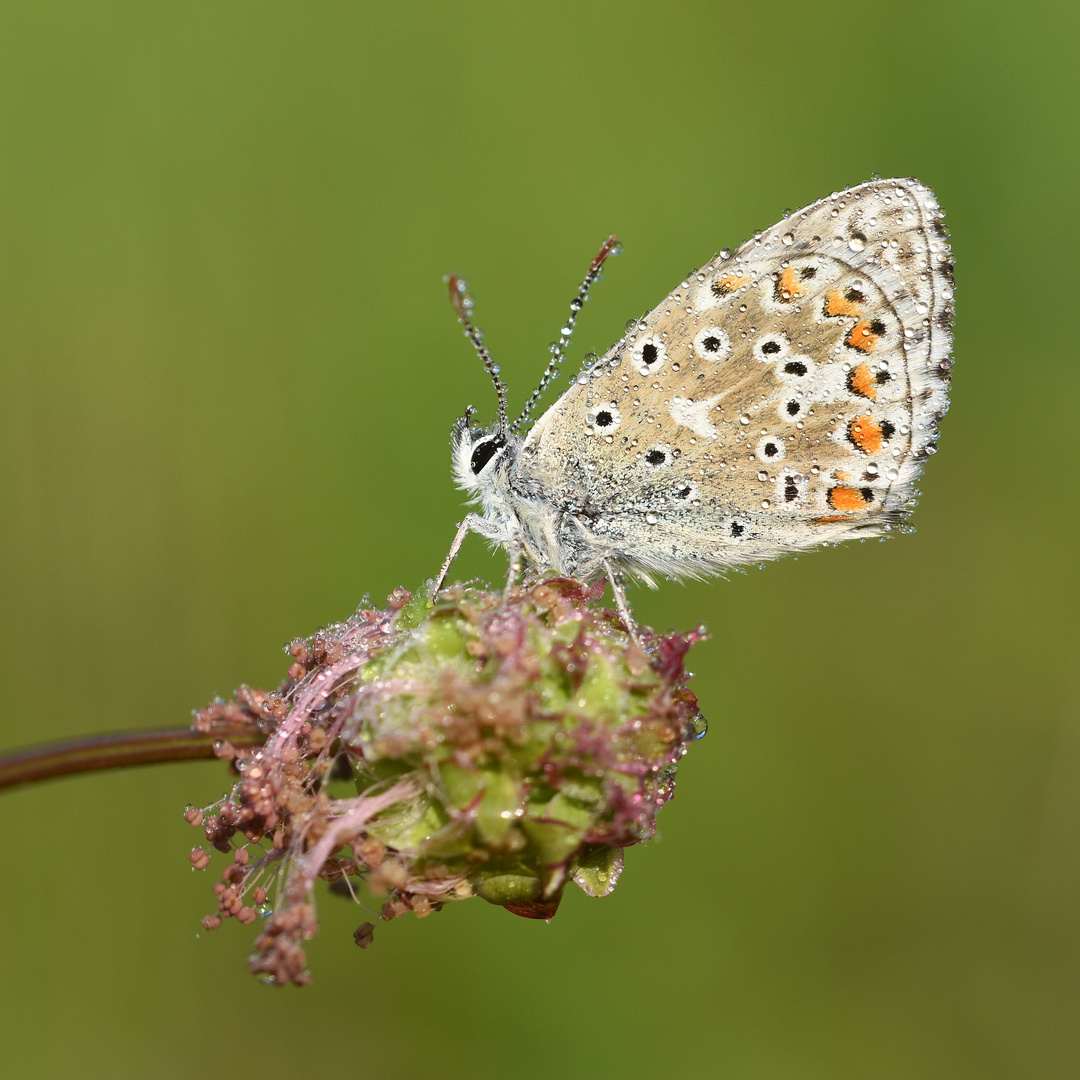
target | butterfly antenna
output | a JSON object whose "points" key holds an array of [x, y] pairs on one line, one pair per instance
{"points": [[558, 348], [463, 305]]}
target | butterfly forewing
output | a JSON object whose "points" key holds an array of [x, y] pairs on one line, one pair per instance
{"points": [[781, 397]]}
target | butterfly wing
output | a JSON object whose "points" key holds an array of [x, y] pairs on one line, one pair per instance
{"points": [[783, 396]]}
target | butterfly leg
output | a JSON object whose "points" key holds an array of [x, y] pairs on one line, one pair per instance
{"points": [[620, 601], [513, 572], [464, 528]]}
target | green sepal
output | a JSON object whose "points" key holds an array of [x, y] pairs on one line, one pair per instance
{"points": [[553, 842], [596, 869], [417, 609], [503, 889], [499, 806]]}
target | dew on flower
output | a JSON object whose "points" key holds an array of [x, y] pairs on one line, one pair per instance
{"points": [[427, 753]]}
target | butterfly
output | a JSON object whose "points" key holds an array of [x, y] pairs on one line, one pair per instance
{"points": [[782, 397]]}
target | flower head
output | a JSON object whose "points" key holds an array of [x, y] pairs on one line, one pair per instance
{"points": [[490, 745]]}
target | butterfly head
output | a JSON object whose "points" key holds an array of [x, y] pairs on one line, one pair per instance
{"points": [[482, 456]]}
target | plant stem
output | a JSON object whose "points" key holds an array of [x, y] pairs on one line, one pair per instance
{"points": [[115, 750]]}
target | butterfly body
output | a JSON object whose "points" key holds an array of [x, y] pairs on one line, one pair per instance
{"points": [[783, 396]]}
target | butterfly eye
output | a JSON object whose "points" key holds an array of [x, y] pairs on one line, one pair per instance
{"points": [[483, 452]]}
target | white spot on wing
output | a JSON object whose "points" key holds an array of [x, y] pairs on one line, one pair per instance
{"points": [[695, 415]]}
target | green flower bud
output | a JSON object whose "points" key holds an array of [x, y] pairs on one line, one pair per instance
{"points": [[500, 746]]}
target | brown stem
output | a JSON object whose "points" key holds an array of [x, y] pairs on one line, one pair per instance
{"points": [[115, 750]]}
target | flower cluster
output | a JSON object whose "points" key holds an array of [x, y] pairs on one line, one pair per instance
{"points": [[487, 744]]}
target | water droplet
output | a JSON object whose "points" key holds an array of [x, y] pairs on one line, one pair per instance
{"points": [[788, 238], [744, 419], [857, 242], [699, 726], [651, 519], [765, 504]]}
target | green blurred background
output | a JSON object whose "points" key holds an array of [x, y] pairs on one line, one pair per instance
{"points": [[227, 375]]}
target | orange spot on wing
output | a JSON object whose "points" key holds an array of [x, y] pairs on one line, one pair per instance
{"points": [[832, 519], [723, 286], [847, 499], [863, 336], [787, 288], [837, 304], [862, 382], [865, 434]]}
